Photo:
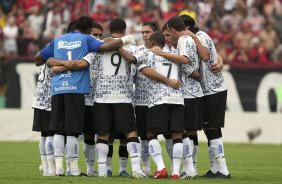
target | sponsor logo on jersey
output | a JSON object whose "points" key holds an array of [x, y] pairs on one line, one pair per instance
{"points": [[69, 45]]}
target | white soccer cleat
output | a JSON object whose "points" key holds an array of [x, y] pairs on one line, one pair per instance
{"points": [[92, 174], [186, 176], [40, 167], [102, 175], [138, 175]]}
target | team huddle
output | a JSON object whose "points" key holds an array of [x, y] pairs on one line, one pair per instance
{"points": [[171, 85]]}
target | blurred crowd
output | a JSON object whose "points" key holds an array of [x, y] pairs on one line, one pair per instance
{"points": [[244, 31]]}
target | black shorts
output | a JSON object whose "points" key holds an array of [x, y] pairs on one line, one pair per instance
{"points": [[193, 113], [114, 118], [68, 113], [89, 121], [141, 118], [214, 110], [41, 120], [165, 118]]}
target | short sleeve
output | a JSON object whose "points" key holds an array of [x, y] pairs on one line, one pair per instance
{"points": [[48, 51], [93, 43], [141, 59], [90, 58]]}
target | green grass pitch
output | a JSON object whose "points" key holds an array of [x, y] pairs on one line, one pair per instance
{"points": [[247, 163]]}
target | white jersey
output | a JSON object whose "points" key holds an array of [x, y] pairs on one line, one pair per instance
{"points": [[141, 95], [113, 83], [160, 93], [42, 95], [211, 83], [187, 47], [93, 58]]}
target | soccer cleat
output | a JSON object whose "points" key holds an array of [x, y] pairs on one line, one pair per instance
{"points": [[138, 175], [102, 175], [80, 175], [124, 173], [60, 175], [68, 173], [161, 174], [209, 174], [175, 177], [92, 174], [186, 176], [109, 173], [222, 176], [40, 167]]}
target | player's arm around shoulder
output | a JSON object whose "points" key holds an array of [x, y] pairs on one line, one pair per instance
{"points": [[180, 59]]}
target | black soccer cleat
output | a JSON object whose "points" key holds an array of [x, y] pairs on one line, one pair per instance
{"points": [[210, 174], [222, 176]]}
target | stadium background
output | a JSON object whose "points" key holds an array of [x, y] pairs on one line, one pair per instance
{"points": [[253, 73]]}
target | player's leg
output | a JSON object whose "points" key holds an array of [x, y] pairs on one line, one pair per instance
{"points": [[74, 124], [42, 152], [103, 123], [127, 125], [49, 147], [123, 155], [56, 125], [89, 143], [213, 133], [169, 148], [110, 155], [141, 118], [176, 127], [157, 123]]}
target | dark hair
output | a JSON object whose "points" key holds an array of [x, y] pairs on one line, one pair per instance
{"points": [[188, 20], [158, 39], [176, 23], [97, 26], [152, 25], [71, 26], [84, 24], [164, 28], [117, 25]]}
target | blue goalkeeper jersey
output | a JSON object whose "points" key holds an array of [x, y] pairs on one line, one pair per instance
{"points": [[71, 46]]}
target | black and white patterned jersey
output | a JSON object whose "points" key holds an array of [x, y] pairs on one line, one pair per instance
{"points": [[141, 96], [113, 83], [211, 83], [42, 95], [95, 58], [187, 47], [160, 93]]}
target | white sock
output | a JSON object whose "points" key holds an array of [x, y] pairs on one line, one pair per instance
{"points": [[59, 146], [218, 150], [169, 148], [214, 167], [177, 157], [145, 156], [67, 164], [102, 152], [89, 152], [195, 157], [155, 150], [188, 166], [50, 155], [109, 163], [43, 156], [72, 152], [122, 163], [134, 151]]}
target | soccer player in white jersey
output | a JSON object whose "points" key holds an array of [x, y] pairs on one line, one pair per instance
{"points": [[88, 131], [41, 120], [214, 101], [113, 110], [165, 113], [192, 91]]}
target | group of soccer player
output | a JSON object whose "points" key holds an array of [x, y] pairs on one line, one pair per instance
{"points": [[170, 85]]}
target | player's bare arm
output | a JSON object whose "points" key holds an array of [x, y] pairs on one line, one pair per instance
{"points": [[129, 58], [68, 64], [202, 51], [172, 57], [152, 74], [39, 60], [196, 75], [218, 66]]}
